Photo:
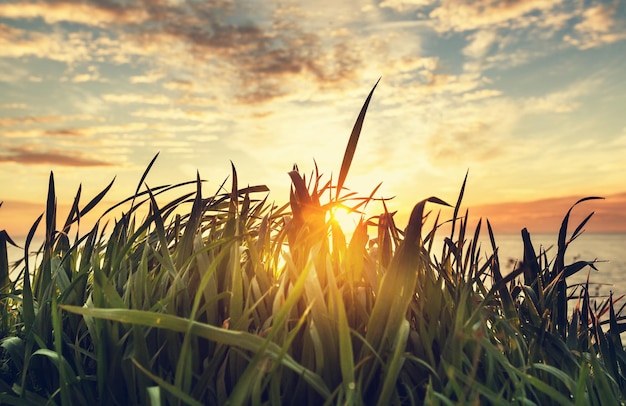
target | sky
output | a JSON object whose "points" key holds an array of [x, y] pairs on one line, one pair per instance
{"points": [[526, 96]]}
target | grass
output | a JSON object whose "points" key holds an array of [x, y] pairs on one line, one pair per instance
{"points": [[231, 299]]}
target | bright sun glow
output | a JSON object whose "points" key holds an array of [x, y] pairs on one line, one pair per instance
{"points": [[345, 218]]}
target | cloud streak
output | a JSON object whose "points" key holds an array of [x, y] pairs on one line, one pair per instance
{"points": [[31, 155], [546, 215]]}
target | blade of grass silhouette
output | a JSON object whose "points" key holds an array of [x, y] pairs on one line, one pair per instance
{"points": [[143, 178], [5, 281], [352, 142], [559, 265], [96, 199], [73, 215], [562, 245], [45, 276], [27, 293], [458, 205]]}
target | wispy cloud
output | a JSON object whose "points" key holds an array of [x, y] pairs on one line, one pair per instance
{"points": [[466, 136], [546, 215], [34, 155], [175, 114], [263, 57], [149, 77], [13, 106], [95, 13], [38, 120], [464, 15], [597, 26], [561, 101], [67, 48], [134, 98], [13, 121]]}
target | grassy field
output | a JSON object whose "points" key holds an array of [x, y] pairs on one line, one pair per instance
{"points": [[229, 298]]}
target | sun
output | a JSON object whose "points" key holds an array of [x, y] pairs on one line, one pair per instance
{"points": [[344, 217]]}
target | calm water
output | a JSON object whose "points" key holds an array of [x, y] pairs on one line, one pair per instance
{"points": [[609, 248]]}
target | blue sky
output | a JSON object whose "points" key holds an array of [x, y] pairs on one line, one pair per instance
{"points": [[527, 95]]}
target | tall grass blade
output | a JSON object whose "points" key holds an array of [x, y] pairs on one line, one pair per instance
{"points": [[240, 339], [143, 178], [352, 142], [5, 281], [394, 365], [94, 202], [28, 302], [457, 206], [559, 265]]}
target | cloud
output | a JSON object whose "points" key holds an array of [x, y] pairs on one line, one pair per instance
{"points": [[464, 143], [546, 215], [31, 155], [479, 43], [402, 6], [481, 94], [13, 121], [175, 114], [530, 20], [597, 27], [134, 98], [98, 13], [78, 132], [65, 132], [149, 77], [85, 77], [201, 138], [67, 48], [39, 120], [561, 101], [465, 136], [14, 106], [439, 83], [263, 51], [466, 15]]}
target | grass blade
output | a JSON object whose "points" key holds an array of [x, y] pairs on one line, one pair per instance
{"points": [[352, 142]]}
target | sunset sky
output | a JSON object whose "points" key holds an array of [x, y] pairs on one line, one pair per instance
{"points": [[528, 95]]}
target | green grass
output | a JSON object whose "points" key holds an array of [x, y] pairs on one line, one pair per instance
{"points": [[229, 298]]}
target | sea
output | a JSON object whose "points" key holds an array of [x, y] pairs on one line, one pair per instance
{"points": [[608, 250]]}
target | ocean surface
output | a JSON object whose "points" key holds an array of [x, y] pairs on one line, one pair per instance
{"points": [[609, 249]]}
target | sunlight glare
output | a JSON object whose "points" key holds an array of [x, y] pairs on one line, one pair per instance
{"points": [[346, 219]]}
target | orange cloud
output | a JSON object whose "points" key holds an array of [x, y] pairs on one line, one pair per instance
{"points": [[65, 132], [546, 215], [73, 11], [263, 57], [28, 155], [13, 121], [37, 120], [17, 43], [148, 77]]}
